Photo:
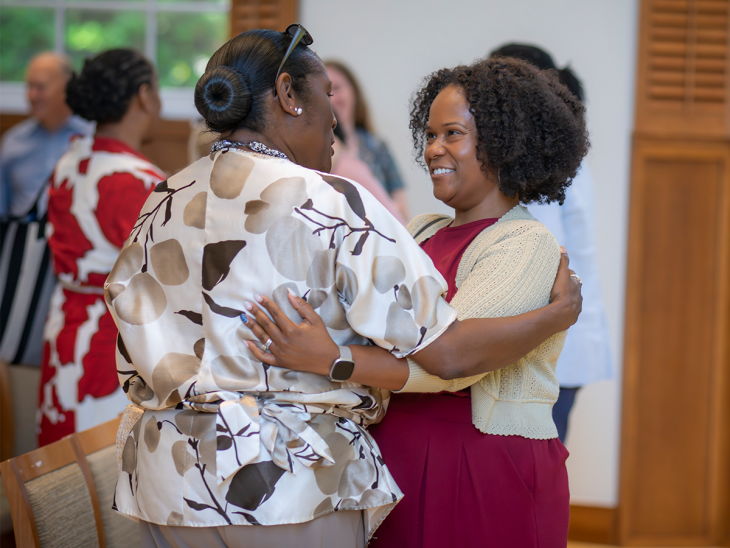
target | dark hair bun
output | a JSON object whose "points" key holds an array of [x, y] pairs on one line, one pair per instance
{"points": [[223, 98], [106, 85], [568, 78]]}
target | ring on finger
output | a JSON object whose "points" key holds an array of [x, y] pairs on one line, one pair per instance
{"points": [[267, 345], [574, 275]]}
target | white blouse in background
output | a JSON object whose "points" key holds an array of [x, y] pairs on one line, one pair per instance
{"points": [[586, 357]]}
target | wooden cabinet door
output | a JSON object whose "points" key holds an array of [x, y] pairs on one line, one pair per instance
{"points": [[676, 424]]}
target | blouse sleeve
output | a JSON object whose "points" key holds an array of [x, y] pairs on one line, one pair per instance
{"points": [[387, 286], [513, 276]]}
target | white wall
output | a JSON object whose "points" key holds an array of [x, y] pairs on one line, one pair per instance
{"points": [[393, 44]]}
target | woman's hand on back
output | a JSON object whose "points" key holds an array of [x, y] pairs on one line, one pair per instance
{"points": [[566, 293], [484, 344], [306, 346]]}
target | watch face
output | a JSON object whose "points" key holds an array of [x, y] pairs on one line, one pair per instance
{"points": [[342, 370]]}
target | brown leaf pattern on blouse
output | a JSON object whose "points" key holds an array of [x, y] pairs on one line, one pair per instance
{"points": [[226, 439]]}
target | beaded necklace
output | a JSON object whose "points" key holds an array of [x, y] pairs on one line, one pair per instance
{"points": [[253, 145]]}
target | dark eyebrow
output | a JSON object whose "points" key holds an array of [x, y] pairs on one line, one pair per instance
{"points": [[455, 124]]}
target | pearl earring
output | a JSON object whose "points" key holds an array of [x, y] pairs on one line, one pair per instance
{"points": [[298, 111]]}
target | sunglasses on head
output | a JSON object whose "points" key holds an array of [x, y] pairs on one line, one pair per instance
{"points": [[298, 34]]}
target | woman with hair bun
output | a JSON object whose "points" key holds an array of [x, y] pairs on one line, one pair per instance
{"points": [[216, 440], [476, 454], [96, 192]]}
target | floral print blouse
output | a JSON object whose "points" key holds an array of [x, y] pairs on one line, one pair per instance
{"points": [[225, 439]]}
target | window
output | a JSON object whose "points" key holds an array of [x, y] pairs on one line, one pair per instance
{"points": [[179, 36]]}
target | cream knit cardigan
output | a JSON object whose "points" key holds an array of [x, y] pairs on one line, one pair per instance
{"points": [[507, 270]]}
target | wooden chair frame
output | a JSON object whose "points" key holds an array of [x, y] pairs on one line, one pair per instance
{"points": [[71, 449], [7, 425]]}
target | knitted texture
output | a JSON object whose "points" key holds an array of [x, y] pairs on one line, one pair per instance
{"points": [[508, 269]]}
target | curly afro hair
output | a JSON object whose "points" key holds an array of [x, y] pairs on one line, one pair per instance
{"points": [[107, 84], [530, 129]]}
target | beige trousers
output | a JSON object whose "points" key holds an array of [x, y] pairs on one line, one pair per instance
{"points": [[345, 529]]}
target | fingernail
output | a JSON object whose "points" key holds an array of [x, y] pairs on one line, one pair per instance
{"points": [[291, 292], [259, 298], [245, 343], [563, 250], [248, 305], [244, 319]]}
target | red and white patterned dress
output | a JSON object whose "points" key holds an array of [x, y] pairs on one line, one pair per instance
{"points": [[97, 190]]}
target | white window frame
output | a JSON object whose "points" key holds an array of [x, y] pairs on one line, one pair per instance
{"points": [[177, 103]]}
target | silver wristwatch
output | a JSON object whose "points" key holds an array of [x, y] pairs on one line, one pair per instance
{"points": [[343, 367]]}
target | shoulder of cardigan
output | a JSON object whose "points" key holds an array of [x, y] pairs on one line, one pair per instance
{"points": [[517, 216], [424, 226]]}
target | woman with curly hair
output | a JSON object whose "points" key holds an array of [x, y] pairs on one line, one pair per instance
{"points": [[219, 447], [96, 192], [482, 466]]}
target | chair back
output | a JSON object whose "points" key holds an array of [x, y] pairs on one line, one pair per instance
{"points": [[61, 495], [7, 426]]}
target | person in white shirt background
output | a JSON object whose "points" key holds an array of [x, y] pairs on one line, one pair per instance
{"points": [[586, 357]]}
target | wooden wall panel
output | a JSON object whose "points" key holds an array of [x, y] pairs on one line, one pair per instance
{"points": [[169, 150], [674, 447], [262, 14]]}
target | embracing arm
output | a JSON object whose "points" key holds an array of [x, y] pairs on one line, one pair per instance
{"points": [[470, 347]]}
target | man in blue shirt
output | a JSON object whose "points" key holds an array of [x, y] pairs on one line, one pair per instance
{"points": [[30, 150]]}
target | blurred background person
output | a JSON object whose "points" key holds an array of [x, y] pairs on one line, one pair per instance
{"points": [[353, 117], [30, 149], [346, 164], [586, 357], [97, 190]]}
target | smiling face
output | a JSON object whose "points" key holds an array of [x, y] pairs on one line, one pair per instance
{"points": [[317, 134], [451, 153]]}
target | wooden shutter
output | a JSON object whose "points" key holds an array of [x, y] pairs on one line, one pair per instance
{"points": [[675, 439], [683, 68], [262, 14]]}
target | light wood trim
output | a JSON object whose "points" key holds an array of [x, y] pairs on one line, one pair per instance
{"points": [[593, 524], [71, 449], [45, 459], [24, 527], [7, 425], [99, 437], [89, 479]]}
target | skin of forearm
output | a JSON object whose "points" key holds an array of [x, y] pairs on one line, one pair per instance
{"points": [[484, 345], [479, 345], [375, 366]]}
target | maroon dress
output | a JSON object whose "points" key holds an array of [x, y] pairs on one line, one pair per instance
{"points": [[462, 487]]}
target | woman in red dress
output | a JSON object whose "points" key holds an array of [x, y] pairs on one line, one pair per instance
{"points": [[482, 467], [97, 190]]}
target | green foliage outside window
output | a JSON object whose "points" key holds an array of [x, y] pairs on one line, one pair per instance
{"points": [[185, 41], [23, 33], [89, 32]]}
